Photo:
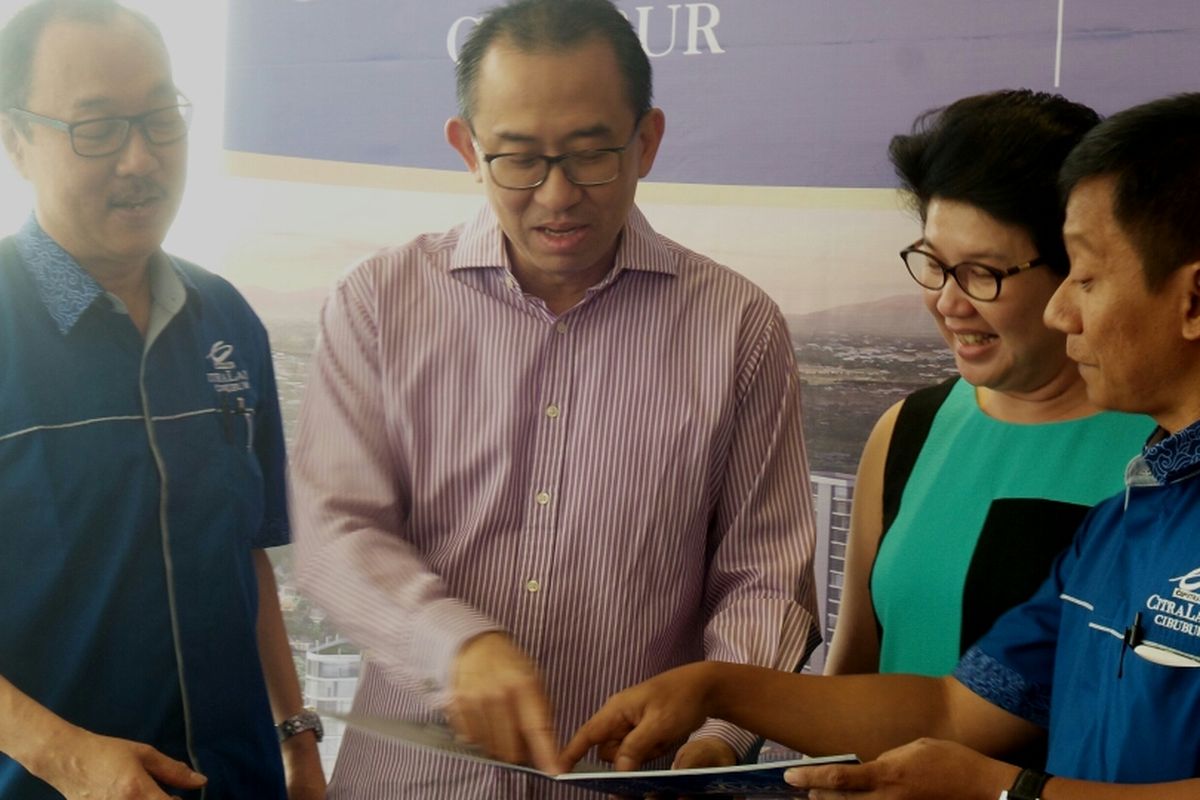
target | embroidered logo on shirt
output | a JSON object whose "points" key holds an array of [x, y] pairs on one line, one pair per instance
{"points": [[1188, 584], [1172, 638], [1181, 611], [219, 355], [226, 377]]}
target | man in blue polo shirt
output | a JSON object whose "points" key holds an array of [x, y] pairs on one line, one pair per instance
{"points": [[141, 451], [1105, 658]]}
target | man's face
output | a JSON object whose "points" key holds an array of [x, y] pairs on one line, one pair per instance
{"points": [[111, 213], [550, 103], [1127, 340]]}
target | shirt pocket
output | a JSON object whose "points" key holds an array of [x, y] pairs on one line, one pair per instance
{"points": [[1170, 634]]}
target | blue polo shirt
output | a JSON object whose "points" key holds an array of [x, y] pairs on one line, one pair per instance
{"points": [[1107, 653], [136, 477]]}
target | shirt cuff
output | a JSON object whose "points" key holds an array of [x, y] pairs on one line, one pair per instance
{"points": [[439, 632], [740, 740], [1004, 687]]}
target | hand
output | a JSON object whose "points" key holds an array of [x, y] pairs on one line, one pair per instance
{"points": [[645, 721], [84, 765], [498, 703], [927, 769], [706, 751], [302, 767]]}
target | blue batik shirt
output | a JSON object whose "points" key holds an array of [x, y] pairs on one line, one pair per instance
{"points": [[1106, 655], [137, 474]]}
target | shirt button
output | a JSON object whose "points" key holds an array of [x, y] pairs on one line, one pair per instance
{"points": [[542, 498], [552, 411], [532, 585], [561, 327]]}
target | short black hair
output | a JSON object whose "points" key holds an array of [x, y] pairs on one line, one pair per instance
{"points": [[1000, 152], [556, 25], [1152, 154], [20, 37]]}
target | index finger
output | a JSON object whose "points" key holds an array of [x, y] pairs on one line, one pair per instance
{"points": [[601, 728], [633, 742], [536, 723], [844, 777], [171, 772]]}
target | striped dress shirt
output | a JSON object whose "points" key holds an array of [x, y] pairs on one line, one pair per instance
{"points": [[622, 487]]}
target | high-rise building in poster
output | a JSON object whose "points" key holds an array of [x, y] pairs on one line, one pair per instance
{"points": [[832, 493], [331, 671]]}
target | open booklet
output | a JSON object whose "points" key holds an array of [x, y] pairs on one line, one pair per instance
{"points": [[747, 780]]}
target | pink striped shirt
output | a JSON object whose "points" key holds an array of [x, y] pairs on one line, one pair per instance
{"points": [[623, 488]]}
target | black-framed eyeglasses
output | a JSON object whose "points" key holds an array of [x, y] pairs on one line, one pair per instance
{"points": [[103, 136], [979, 281], [594, 167]]}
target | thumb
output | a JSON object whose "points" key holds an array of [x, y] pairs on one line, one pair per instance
{"points": [[167, 770]]}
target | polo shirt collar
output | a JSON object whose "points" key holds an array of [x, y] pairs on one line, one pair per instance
{"points": [[1174, 457], [67, 290]]}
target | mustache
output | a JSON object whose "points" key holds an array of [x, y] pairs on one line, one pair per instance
{"points": [[137, 189]]}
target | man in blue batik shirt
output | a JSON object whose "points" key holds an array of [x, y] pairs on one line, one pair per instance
{"points": [[141, 451], [1105, 658]]}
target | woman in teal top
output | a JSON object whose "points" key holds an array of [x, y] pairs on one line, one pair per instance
{"points": [[968, 490], [934, 593]]}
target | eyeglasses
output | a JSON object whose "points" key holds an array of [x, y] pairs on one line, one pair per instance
{"points": [[979, 281], [95, 138], [594, 167]]}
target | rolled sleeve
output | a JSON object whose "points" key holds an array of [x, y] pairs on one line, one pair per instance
{"points": [[760, 588]]}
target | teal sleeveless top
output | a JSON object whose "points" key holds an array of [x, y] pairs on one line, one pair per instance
{"points": [[984, 506]]}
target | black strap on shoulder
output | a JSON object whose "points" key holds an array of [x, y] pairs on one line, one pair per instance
{"points": [[913, 422], [908, 437]]}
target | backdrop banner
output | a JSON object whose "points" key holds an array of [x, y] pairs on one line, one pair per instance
{"points": [[757, 92]]}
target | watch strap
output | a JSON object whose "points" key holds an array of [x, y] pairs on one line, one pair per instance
{"points": [[1027, 786]]}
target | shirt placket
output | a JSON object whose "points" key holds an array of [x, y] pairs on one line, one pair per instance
{"points": [[551, 403]]}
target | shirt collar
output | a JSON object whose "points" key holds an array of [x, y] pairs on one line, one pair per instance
{"points": [[1175, 457], [67, 290], [63, 286], [481, 245]]}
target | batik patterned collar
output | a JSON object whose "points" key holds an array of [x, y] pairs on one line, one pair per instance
{"points": [[1176, 456], [64, 287]]}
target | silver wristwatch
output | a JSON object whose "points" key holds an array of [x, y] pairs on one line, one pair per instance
{"points": [[306, 720]]}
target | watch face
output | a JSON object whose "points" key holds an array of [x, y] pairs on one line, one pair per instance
{"points": [[304, 721]]}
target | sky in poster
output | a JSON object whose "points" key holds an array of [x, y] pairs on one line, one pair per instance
{"points": [[757, 92]]}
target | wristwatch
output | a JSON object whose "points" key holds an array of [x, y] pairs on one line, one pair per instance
{"points": [[1028, 786], [306, 720]]}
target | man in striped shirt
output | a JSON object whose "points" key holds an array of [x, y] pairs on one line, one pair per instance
{"points": [[550, 451]]}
